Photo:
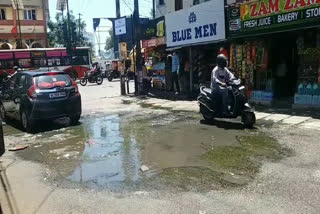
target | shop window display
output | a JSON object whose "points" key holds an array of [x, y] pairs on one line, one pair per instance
{"points": [[249, 61]]}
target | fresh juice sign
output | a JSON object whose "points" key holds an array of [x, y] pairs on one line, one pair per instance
{"points": [[271, 12]]}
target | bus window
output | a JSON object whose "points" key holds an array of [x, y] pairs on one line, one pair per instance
{"points": [[6, 64], [80, 60], [66, 61], [38, 62], [24, 63], [54, 61]]}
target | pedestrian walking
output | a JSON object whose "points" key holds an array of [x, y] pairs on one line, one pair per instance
{"points": [[175, 72]]}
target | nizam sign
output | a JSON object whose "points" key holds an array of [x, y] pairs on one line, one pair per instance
{"points": [[272, 15], [201, 23]]}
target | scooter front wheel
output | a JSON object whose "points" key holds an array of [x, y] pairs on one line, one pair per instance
{"points": [[83, 81], [248, 119], [99, 80], [110, 79], [206, 113]]}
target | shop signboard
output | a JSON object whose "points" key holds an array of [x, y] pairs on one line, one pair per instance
{"points": [[273, 15], [120, 26], [198, 24], [153, 28], [150, 43]]}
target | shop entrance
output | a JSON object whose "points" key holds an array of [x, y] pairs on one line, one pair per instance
{"points": [[284, 64]]}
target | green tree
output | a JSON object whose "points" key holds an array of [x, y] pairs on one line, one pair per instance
{"points": [[57, 33], [110, 40]]}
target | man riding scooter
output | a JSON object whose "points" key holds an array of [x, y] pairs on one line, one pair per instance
{"points": [[219, 79]]}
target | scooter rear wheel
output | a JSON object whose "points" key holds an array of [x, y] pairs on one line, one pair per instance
{"points": [[83, 82], [110, 79], [248, 119]]}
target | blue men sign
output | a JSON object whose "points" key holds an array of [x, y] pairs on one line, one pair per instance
{"points": [[201, 23]]}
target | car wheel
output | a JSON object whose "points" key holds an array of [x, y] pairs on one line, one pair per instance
{"points": [[3, 113], [74, 120], [26, 123]]}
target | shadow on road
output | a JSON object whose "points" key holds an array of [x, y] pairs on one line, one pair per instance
{"points": [[44, 126], [9, 197], [227, 125]]}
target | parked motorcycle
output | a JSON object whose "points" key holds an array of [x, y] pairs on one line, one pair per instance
{"points": [[237, 104], [92, 77], [113, 75]]}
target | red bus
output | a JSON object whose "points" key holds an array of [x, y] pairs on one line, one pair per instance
{"points": [[51, 58]]}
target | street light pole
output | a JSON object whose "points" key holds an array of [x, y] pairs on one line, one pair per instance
{"points": [[19, 22], [79, 28], [122, 79], [138, 47]]}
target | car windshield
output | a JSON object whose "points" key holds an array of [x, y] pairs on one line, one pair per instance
{"points": [[52, 81]]}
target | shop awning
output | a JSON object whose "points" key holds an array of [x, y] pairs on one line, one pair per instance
{"points": [[197, 44]]}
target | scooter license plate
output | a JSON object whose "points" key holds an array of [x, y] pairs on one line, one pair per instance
{"points": [[57, 95]]}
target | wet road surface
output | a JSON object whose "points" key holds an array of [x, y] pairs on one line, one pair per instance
{"points": [[107, 151], [215, 168]]}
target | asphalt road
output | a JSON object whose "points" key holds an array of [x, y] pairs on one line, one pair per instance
{"points": [[94, 167]]}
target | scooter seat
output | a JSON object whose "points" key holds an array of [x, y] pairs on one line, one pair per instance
{"points": [[207, 90]]}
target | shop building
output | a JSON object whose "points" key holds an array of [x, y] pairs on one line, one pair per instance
{"points": [[196, 34], [30, 16], [275, 50]]}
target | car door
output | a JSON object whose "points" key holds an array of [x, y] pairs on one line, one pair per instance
{"points": [[18, 93], [7, 97]]}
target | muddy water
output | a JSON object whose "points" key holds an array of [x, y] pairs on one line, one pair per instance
{"points": [[106, 151]]}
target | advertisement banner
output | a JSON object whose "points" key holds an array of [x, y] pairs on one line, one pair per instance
{"points": [[201, 23], [265, 16]]}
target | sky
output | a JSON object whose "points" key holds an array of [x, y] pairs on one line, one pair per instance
{"points": [[101, 8]]}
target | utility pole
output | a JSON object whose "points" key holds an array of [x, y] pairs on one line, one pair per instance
{"points": [[69, 23], [122, 79], [138, 47], [80, 28], [154, 9]]}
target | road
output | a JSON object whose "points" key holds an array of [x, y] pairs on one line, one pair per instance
{"points": [[194, 167]]}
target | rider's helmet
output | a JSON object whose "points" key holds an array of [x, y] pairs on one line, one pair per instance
{"points": [[221, 61]]}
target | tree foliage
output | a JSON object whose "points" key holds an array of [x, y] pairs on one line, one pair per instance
{"points": [[110, 40], [58, 35]]}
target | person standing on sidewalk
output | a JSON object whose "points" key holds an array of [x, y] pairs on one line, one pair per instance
{"points": [[175, 72]]}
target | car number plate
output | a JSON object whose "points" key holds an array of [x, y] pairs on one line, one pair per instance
{"points": [[57, 95]]}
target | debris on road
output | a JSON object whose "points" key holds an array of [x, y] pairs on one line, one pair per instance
{"points": [[91, 142], [144, 168], [18, 148], [66, 155]]}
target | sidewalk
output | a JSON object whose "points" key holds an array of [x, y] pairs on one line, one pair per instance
{"points": [[192, 106]]}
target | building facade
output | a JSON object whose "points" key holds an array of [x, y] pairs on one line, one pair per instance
{"points": [[30, 16], [170, 6]]}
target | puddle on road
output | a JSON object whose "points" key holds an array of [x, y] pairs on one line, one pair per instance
{"points": [[108, 151]]}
